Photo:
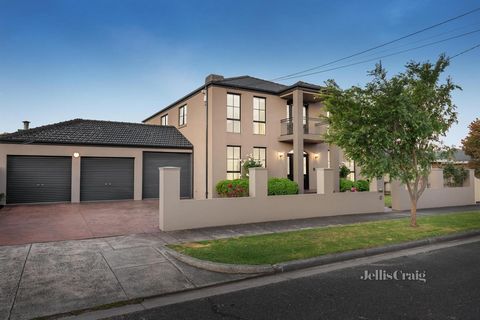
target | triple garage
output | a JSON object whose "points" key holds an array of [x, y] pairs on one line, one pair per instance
{"points": [[35, 179], [122, 167]]}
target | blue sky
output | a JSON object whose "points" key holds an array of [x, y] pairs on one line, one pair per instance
{"points": [[124, 60]]}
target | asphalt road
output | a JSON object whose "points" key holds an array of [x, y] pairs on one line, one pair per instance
{"points": [[451, 290]]}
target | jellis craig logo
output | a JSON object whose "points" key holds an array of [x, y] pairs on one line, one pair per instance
{"points": [[397, 275]]}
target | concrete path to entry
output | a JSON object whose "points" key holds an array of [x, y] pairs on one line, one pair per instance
{"points": [[43, 279]]}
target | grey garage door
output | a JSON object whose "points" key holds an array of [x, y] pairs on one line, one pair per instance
{"points": [[103, 178], [33, 179], [153, 160]]}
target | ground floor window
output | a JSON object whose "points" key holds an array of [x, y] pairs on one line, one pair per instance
{"points": [[260, 155], [233, 162]]}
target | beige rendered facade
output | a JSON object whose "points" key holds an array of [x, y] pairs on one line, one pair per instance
{"points": [[292, 126]]}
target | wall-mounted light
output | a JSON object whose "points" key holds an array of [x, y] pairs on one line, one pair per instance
{"points": [[76, 154], [280, 155], [316, 155]]}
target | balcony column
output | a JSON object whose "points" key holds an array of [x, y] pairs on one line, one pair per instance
{"points": [[297, 115], [335, 165]]}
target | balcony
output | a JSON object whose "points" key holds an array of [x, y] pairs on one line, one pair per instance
{"points": [[313, 130]]}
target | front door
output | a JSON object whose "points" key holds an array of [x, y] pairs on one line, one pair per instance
{"points": [[290, 176]]}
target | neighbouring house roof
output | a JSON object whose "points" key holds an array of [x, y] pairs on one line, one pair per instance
{"points": [[98, 132], [245, 83], [458, 156]]}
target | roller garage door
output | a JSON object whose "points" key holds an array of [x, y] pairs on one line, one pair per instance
{"points": [[153, 160], [105, 178], [32, 179]]}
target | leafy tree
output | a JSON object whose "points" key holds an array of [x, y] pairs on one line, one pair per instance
{"points": [[454, 176], [394, 125], [471, 146]]}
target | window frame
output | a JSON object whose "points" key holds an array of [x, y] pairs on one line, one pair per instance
{"points": [[165, 116], [265, 154], [264, 122], [233, 172], [182, 115], [234, 120]]}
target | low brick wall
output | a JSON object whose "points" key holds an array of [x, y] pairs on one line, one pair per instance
{"points": [[176, 214]]}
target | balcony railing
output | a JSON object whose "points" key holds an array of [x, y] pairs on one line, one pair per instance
{"points": [[313, 126]]}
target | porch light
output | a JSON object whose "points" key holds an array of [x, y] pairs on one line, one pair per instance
{"points": [[280, 155], [316, 155], [76, 154]]}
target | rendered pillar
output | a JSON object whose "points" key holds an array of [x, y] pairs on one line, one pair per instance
{"points": [[169, 194], [324, 180], [75, 196], [435, 178], [258, 182], [297, 116]]}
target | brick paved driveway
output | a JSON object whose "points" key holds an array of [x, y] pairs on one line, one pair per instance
{"points": [[21, 224]]}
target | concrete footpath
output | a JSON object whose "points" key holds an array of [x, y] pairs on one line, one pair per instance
{"points": [[44, 279]]}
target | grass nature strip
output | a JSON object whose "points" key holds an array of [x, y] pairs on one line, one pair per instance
{"points": [[294, 245]]}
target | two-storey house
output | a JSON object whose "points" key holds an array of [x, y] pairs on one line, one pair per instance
{"points": [[227, 119]]}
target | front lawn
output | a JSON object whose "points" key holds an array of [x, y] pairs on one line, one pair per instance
{"points": [[286, 246]]}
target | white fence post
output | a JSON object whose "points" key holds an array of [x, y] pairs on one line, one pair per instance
{"points": [[258, 182], [169, 194], [325, 182]]}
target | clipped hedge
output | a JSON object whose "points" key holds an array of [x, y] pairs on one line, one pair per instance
{"points": [[239, 187], [281, 186], [345, 185], [359, 185], [362, 185]]}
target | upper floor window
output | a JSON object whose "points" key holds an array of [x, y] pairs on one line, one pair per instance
{"points": [[260, 155], [182, 115], [164, 120], [233, 162], [259, 115], [233, 113]]}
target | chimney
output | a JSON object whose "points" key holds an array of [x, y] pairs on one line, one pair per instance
{"points": [[213, 77], [26, 125]]}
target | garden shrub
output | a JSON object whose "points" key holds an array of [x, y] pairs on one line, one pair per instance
{"points": [[454, 176], [249, 163], [239, 187], [362, 185], [359, 185], [281, 186], [344, 171], [232, 188], [345, 185]]}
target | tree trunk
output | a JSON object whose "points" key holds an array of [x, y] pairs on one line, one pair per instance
{"points": [[413, 214]]}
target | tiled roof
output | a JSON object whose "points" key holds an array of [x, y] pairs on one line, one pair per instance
{"points": [[244, 82], [247, 82], [97, 132]]}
